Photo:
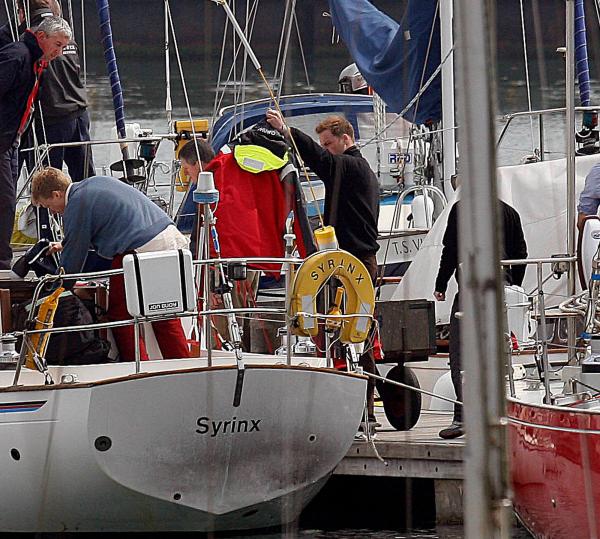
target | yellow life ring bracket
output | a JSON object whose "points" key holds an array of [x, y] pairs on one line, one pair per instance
{"points": [[360, 295]]}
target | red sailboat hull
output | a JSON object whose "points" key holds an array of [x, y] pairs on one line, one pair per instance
{"points": [[555, 469]]}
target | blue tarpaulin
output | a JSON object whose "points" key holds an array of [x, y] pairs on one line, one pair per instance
{"points": [[391, 56]]}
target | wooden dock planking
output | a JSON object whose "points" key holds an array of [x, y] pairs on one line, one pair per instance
{"points": [[418, 454]]}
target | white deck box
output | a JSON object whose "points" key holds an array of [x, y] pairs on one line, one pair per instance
{"points": [[159, 282]]}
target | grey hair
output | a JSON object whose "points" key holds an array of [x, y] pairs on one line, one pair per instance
{"points": [[55, 25]]}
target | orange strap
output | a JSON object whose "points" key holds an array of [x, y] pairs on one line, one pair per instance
{"points": [[38, 68]]}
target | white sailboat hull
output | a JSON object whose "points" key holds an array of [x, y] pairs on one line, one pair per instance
{"points": [[168, 451]]}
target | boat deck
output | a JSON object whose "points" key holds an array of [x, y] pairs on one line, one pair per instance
{"points": [[419, 454]]}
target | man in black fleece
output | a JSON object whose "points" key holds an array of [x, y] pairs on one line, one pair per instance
{"points": [[21, 67], [61, 113], [351, 198], [514, 247]]}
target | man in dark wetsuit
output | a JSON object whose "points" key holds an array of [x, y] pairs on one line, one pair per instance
{"points": [[514, 247], [61, 113], [21, 66], [351, 199]]}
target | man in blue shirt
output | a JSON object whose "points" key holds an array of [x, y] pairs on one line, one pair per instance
{"points": [[589, 199], [115, 219]]}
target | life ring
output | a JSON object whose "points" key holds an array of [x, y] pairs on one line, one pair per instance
{"points": [[313, 273]]}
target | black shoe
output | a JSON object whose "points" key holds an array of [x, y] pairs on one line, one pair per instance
{"points": [[373, 421], [453, 431]]}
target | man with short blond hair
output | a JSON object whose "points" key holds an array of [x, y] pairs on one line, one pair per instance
{"points": [[51, 180], [21, 67], [338, 126]]}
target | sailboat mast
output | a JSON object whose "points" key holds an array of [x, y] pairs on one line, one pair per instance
{"points": [[570, 142], [448, 119], [486, 504]]}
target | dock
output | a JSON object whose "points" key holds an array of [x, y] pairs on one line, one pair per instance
{"points": [[418, 454]]}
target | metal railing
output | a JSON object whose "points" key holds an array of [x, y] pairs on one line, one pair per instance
{"points": [[539, 114], [542, 344], [137, 320]]}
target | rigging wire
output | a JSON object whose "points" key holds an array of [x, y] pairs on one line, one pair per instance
{"points": [[537, 27], [219, 96], [401, 114], [527, 80], [274, 100], [234, 63], [288, 31], [280, 46], [70, 5], [168, 102], [416, 101], [240, 90], [83, 45], [14, 30], [302, 53], [181, 74], [217, 102]]}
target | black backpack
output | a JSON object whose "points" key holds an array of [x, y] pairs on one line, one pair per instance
{"points": [[83, 347]]}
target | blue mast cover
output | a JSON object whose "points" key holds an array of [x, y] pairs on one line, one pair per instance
{"points": [[396, 59], [111, 65], [581, 54]]}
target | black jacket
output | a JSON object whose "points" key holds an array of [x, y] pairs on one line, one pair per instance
{"points": [[62, 95], [514, 247], [6, 37], [356, 210], [16, 82]]}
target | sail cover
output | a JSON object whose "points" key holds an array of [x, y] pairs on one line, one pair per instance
{"points": [[396, 59]]}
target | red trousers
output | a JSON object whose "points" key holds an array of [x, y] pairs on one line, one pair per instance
{"points": [[169, 333]]}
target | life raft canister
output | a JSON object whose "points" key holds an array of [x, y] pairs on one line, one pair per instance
{"points": [[310, 278]]}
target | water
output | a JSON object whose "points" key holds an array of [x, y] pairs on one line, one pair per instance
{"points": [[144, 90]]}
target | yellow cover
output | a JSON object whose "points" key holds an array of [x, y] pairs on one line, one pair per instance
{"points": [[255, 159], [185, 127], [44, 320]]}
